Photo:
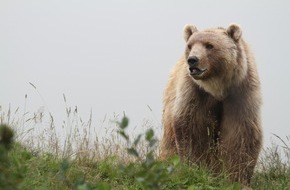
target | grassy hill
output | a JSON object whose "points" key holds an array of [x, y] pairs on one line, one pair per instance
{"points": [[132, 165]]}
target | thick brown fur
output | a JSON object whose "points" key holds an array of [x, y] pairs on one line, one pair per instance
{"points": [[213, 118]]}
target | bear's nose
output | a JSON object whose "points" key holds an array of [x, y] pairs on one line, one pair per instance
{"points": [[192, 61]]}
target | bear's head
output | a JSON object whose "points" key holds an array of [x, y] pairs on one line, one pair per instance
{"points": [[215, 58]]}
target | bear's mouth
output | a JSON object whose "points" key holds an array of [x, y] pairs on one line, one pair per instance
{"points": [[194, 71]]}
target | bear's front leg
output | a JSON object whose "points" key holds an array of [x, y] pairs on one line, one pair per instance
{"points": [[183, 139], [186, 145], [239, 150], [167, 145]]}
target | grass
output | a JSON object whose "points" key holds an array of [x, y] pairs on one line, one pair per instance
{"points": [[37, 157]]}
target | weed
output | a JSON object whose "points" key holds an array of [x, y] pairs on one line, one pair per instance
{"points": [[35, 159], [150, 174]]}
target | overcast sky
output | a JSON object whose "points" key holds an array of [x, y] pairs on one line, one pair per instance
{"points": [[114, 56]]}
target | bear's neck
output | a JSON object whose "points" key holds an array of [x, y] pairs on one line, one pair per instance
{"points": [[214, 87]]}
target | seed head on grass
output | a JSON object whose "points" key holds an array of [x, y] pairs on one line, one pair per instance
{"points": [[123, 125]]}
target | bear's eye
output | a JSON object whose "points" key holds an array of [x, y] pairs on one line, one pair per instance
{"points": [[208, 46], [189, 46]]}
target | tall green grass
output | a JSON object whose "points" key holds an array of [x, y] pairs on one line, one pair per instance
{"points": [[37, 154]]}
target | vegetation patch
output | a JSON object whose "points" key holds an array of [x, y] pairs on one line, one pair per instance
{"points": [[127, 163]]}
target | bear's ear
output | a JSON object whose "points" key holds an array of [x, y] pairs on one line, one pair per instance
{"points": [[188, 31], [235, 32]]}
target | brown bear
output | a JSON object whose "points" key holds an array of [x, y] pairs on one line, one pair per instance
{"points": [[212, 104]]}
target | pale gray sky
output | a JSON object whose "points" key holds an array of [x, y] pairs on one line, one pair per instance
{"points": [[114, 56]]}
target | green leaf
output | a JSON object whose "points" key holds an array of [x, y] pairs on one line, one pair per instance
{"points": [[6, 136], [175, 160], [102, 186], [149, 159], [236, 186], [137, 140], [82, 187], [124, 123], [140, 179], [192, 187], [123, 134], [184, 181], [170, 169], [152, 142], [149, 134], [64, 165], [32, 85], [133, 152]]}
